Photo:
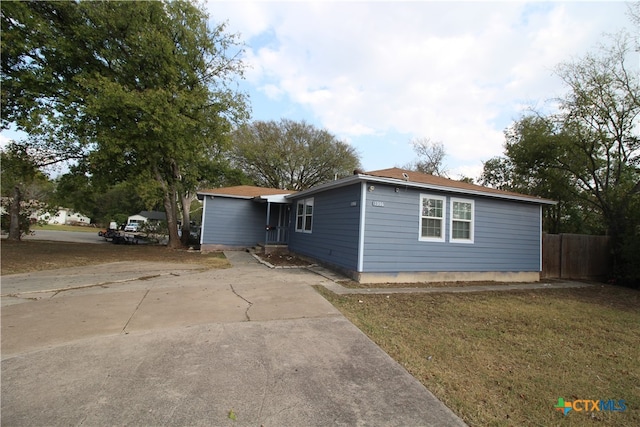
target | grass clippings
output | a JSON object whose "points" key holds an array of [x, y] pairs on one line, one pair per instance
{"points": [[37, 255], [504, 358]]}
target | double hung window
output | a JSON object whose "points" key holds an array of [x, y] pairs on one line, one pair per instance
{"points": [[461, 221], [432, 217], [304, 215]]}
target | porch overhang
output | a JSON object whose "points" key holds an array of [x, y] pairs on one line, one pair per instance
{"points": [[274, 198]]}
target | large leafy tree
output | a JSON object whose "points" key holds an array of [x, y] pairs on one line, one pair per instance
{"points": [[291, 155], [531, 149], [141, 90]]}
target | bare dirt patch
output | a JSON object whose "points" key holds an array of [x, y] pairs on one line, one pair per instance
{"points": [[37, 255], [284, 259]]}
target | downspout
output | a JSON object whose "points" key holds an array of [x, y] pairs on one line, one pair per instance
{"points": [[540, 231], [363, 202]]}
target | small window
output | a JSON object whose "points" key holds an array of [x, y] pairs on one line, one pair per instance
{"points": [[304, 215], [432, 215], [461, 221]]}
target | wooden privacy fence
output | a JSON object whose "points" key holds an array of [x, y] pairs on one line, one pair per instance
{"points": [[575, 256]]}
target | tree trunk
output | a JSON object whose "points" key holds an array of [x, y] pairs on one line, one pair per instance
{"points": [[171, 209], [185, 201], [14, 215], [169, 195]]}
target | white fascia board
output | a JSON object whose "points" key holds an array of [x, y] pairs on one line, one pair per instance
{"points": [[225, 195], [275, 198]]}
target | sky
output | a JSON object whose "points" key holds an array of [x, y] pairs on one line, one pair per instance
{"points": [[379, 75]]}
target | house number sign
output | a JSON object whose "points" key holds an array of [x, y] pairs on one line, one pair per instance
{"points": [[378, 204]]}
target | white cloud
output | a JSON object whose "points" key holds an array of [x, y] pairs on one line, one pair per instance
{"points": [[4, 140], [452, 71]]}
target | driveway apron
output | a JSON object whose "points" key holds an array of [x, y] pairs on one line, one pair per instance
{"points": [[244, 346]]}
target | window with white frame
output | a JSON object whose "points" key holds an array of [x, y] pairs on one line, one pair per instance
{"points": [[304, 215], [432, 217], [461, 221]]}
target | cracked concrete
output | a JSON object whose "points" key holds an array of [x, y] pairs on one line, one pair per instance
{"points": [[124, 329], [42, 284], [184, 350], [249, 303]]}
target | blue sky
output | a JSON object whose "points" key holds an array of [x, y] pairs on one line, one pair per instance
{"points": [[381, 74]]}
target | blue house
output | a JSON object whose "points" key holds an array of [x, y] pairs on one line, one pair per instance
{"points": [[244, 216], [390, 225]]}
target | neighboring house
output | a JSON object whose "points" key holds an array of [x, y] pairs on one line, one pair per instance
{"points": [[146, 216], [65, 216], [394, 225]]}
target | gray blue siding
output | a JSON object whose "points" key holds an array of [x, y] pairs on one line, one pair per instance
{"points": [[507, 236], [334, 236], [233, 222]]}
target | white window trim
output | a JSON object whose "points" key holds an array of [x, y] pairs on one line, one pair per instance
{"points": [[443, 219], [472, 221], [304, 203]]}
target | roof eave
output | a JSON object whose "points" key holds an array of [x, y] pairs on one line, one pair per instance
{"points": [[265, 197], [234, 196], [274, 198], [394, 181], [326, 186]]}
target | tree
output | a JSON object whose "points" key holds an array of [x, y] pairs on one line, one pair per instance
{"points": [[589, 151], [431, 156], [531, 148], [291, 155], [103, 204], [23, 187], [140, 89]]}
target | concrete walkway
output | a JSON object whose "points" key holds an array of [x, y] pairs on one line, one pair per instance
{"points": [[341, 290], [245, 346]]}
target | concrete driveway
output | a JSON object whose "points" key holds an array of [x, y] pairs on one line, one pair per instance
{"points": [[245, 346]]}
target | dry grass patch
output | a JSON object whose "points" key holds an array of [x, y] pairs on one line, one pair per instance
{"points": [[504, 358], [63, 227], [36, 255]]}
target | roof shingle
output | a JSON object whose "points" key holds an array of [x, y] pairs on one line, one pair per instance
{"points": [[423, 178]]}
